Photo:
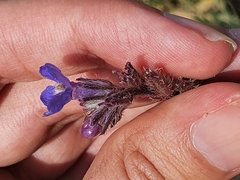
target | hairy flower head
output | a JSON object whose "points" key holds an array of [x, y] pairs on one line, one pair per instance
{"points": [[103, 101]]}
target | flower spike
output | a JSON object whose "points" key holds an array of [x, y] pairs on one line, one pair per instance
{"points": [[103, 101]]}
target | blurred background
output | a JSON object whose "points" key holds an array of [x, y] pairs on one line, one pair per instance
{"points": [[210, 12]]}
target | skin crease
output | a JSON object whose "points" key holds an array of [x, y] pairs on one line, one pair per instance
{"points": [[76, 36]]}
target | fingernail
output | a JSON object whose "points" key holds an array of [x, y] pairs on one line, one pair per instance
{"points": [[205, 31], [217, 137], [233, 33]]}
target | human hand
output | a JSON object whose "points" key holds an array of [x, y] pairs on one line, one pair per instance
{"points": [[78, 36]]}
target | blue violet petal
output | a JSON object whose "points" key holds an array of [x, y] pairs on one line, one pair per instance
{"points": [[55, 97], [47, 95], [51, 72], [57, 102]]}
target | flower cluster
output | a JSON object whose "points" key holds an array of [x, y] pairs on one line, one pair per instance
{"points": [[103, 101]]}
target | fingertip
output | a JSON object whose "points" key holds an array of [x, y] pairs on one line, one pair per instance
{"points": [[147, 38], [86, 35]]}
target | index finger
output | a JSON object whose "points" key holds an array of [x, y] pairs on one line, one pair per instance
{"points": [[76, 35]]}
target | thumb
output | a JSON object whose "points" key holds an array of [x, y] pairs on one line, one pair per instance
{"points": [[192, 136]]}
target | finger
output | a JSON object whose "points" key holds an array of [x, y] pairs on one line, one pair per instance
{"points": [[19, 120], [29, 76], [57, 155], [191, 136], [50, 161], [82, 164], [231, 73], [34, 33], [22, 127]]}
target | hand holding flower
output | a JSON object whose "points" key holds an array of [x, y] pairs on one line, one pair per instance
{"points": [[80, 36]]}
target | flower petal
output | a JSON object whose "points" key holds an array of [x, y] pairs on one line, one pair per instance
{"points": [[57, 102], [51, 72], [47, 95]]}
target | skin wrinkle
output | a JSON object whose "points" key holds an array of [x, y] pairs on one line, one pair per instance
{"points": [[20, 38], [3, 46], [11, 127], [33, 34], [57, 158], [99, 22], [83, 27], [76, 38], [13, 51], [68, 119], [112, 29], [3, 83], [176, 167], [117, 161], [123, 165], [130, 145], [151, 148], [18, 122], [164, 159], [103, 169], [145, 172], [167, 159], [173, 170], [57, 140], [142, 165], [177, 142]]}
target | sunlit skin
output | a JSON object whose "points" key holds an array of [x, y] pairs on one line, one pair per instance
{"points": [[84, 41]]}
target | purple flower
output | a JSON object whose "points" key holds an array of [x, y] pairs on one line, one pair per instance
{"points": [[92, 92], [105, 102], [55, 97]]}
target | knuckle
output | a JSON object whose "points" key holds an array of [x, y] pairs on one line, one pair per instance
{"points": [[147, 157]]}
